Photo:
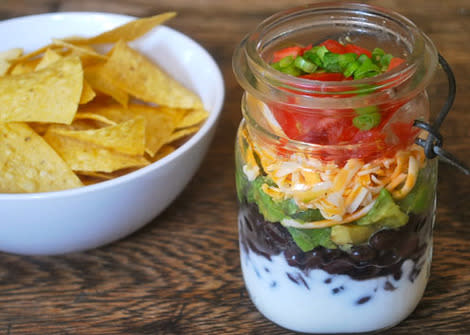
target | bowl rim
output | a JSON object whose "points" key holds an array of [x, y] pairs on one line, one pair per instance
{"points": [[209, 123]]}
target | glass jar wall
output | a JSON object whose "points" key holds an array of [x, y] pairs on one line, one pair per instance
{"points": [[335, 218]]}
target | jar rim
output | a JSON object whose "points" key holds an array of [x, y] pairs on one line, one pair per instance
{"points": [[257, 77]]}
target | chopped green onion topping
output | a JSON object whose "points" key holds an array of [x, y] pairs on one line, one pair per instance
{"points": [[366, 69], [286, 61], [320, 59], [377, 54], [351, 68], [331, 62], [292, 70], [368, 117], [345, 59], [385, 61], [304, 65], [363, 58]]}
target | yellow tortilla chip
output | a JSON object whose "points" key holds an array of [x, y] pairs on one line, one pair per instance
{"points": [[126, 32], [164, 151], [85, 51], [179, 134], [34, 53], [97, 175], [49, 57], [28, 164], [11, 54], [49, 95], [127, 137], [87, 93], [160, 125], [87, 58], [161, 121], [86, 156], [105, 175], [6, 58], [22, 68], [99, 82], [4, 67], [138, 76], [193, 117], [95, 117], [39, 128], [78, 125]]}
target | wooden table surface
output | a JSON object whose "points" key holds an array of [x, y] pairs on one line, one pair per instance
{"points": [[180, 274]]}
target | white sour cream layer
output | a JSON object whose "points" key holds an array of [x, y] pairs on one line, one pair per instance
{"points": [[317, 302]]}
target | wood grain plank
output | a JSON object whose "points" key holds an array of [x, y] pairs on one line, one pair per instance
{"points": [[181, 273]]}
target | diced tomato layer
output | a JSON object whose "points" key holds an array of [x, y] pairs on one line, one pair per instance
{"points": [[405, 133], [394, 62], [335, 127], [324, 76], [334, 46], [352, 48], [290, 51]]}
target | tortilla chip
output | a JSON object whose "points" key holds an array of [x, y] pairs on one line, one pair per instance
{"points": [[86, 156], [34, 54], [87, 93], [6, 58], [11, 54], [29, 164], [49, 95], [160, 125], [39, 128], [126, 32], [99, 82], [127, 137], [138, 76], [163, 152], [79, 50], [22, 68], [179, 134], [161, 121], [49, 57], [4, 67], [96, 175], [94, 117], [192, 118]]}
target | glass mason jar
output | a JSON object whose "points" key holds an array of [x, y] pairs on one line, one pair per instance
{"points": [[335, 218]]}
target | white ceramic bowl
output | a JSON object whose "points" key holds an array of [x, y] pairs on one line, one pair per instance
{"points": [[91, 216]]}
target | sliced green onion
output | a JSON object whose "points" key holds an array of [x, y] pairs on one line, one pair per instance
{"points": [[286, 61], [320, 50], [276, 66], [351, 68], [367, 121], [377, 54], [313, 57], [366, 69], [345, 59], [385, 61], [363, 58], [331, 62], [304, 65], [292, 70]]}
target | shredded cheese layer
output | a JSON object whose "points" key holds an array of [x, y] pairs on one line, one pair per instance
{"points": [[342, 194]]}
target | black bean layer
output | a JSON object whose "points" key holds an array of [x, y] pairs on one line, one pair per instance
{"points": [[382, 255]]}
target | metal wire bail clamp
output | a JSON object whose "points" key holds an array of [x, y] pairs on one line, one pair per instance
{"points": [[433, 144]]}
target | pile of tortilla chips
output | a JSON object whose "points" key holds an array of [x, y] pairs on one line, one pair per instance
{"points": [[71, 116]]}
